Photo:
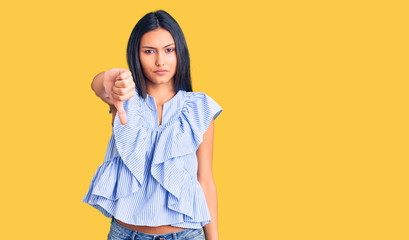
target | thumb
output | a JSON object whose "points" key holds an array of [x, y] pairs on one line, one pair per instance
{"points": [[121, 112]]}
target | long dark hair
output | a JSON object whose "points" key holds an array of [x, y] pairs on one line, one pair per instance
{"points": [[149, 22]]}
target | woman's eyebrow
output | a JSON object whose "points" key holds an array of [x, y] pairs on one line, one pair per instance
{"points": [[163, 47]]}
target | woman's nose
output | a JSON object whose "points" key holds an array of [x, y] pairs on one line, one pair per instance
{"points": [[159, 59]]}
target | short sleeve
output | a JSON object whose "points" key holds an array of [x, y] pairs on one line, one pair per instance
{"points": [[198, 111], [213, 108]]}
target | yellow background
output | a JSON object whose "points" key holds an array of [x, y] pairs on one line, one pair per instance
{"points": [[312, 142]]}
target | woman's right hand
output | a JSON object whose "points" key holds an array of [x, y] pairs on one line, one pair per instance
{"points": [[119, 86]]}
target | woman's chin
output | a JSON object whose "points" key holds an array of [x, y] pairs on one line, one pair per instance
{"points": [[161, 81]]}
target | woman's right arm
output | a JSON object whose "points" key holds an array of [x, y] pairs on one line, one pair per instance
{"points": [[97, 86]]}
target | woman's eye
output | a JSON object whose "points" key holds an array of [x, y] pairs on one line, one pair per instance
{"points": [[147, 51], [171, 50]]}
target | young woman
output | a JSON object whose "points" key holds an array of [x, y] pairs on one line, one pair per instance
{"points": [[156, 180]]}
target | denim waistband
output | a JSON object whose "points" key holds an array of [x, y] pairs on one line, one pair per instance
{"points": [[133, 234]]}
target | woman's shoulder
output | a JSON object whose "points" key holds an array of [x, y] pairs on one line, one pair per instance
{"points": [[200, 103], [194, 95], [198, 96]]}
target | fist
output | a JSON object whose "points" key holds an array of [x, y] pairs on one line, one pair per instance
{"points": [[119, 86]]}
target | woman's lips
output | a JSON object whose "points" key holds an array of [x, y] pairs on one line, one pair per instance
{"points": [[161, 72]]}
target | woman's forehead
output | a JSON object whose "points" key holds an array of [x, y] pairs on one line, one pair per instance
{"points": [[157, 38]]}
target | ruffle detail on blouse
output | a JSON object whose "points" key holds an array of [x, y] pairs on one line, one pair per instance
{"points": [[132, 143], [122, 172], [113, 180], [191, 202], [181, 138]]}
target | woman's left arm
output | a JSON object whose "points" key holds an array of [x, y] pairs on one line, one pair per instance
{"points": [[205, 177]]}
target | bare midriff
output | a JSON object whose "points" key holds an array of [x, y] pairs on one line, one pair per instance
{"points": [[151, 230]]}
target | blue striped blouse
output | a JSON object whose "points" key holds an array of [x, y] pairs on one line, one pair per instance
{"points": [[149, 174]]}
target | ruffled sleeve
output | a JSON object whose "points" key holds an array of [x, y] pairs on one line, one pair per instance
{"points": [[174, 146], [199, 110]]}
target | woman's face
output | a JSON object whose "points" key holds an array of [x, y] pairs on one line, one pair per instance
{"points": [[157, 51]]}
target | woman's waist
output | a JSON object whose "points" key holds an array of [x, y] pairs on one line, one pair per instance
{"points": [[151, 230]]}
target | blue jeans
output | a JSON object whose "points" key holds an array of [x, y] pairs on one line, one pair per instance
{"points": [[119, 232]]}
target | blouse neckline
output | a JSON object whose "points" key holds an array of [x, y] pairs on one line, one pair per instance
{"points": [[152, 99], [173, 104]]}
